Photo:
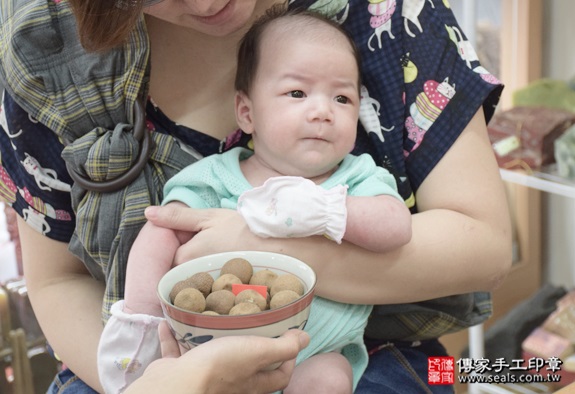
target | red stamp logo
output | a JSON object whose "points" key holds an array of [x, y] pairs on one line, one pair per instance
{"points": [[440, 370]]}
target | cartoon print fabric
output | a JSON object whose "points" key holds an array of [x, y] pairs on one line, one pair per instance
{"points": [[406, 125], [36, 183]]}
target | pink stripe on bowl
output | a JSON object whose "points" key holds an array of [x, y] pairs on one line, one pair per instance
{"points": [[243, 321]]}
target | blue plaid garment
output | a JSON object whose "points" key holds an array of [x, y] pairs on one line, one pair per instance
{"points": [[422, 85]]}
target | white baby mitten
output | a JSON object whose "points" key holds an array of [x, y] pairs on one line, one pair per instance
{"points": [[290, 206], [127, 346]]}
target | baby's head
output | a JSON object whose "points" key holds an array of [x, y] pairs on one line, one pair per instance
{"points": [[290, 24], [298, 84]]}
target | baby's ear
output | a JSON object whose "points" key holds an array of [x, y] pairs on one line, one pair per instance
{"points": [[244, 112]]}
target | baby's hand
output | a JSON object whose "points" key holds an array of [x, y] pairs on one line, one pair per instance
{"points": [[288, 206]]}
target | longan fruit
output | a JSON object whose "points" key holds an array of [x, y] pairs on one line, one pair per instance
{"points": [[179, 286], [264, 277], [190, 299], [201, 281], [244, 308], [210, 313], [287, 282], [225, 282], [250, 295], [238, 267], [282, 298], [220, 301]]}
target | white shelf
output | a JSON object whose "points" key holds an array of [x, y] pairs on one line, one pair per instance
{"points": [[545, 180]]}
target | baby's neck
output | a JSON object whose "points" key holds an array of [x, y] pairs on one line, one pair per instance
{"points": [[256, 172]]}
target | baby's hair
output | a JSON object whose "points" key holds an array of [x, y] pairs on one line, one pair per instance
{"points": [[250, 46]]}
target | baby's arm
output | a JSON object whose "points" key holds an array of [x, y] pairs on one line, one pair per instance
{"points": [[379, 223], [151, 256], [129, 341], [288, 207]]}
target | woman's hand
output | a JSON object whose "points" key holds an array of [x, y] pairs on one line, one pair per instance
{"points": [[216, 230], [224, 365]]}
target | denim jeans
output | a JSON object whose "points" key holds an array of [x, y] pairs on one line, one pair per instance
{"points": [[67, 382], [401, 368], [398, 368]]}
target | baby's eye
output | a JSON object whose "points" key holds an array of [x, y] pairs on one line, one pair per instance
{"points": [[296, 94], [342, 99]]}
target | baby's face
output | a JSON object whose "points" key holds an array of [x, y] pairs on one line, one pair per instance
{"points": [[305, 103]]}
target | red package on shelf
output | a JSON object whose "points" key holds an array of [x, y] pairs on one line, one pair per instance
{"points": [[523, 137]]}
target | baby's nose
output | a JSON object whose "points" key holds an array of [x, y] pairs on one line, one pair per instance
{"points": [[322, 110]]}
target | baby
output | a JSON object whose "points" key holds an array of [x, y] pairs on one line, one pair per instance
{"points": [[298, 87]]}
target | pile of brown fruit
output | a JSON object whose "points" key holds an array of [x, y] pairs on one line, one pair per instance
{"points": [[202, 294]]}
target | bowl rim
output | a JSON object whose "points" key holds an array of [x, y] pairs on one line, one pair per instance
{"points": [[242, 321]]}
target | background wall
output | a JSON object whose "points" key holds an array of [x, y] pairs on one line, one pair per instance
{"points": [[559, 212], [558, 62]]}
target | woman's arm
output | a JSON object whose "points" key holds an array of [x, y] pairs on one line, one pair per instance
{"points": [[66, 300], [379, 223], [461, 239]]}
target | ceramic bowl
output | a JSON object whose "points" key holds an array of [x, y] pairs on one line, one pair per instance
{"points": [[191, 329]]}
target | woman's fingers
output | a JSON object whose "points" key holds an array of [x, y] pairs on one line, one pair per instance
{"points": [[177, 216], [256, 355], [203, 231], [287, 348], [168, 344]]}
